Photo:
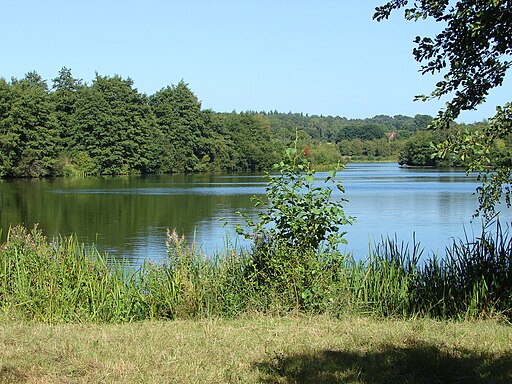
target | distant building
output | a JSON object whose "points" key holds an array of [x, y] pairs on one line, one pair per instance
{"points": [[391, 135]]}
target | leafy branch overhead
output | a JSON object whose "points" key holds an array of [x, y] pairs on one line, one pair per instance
{"points": [[473, 53]]}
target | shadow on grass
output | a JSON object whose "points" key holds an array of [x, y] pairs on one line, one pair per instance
{"points": [[418, 363], [11, 375]]}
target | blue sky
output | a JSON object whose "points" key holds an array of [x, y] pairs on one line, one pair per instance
{"points": [[325, 57]]}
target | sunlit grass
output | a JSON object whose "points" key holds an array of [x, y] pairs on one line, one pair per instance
{"points": [[257, 349]]}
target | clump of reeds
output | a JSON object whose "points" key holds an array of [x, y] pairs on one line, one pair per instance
{"points": [[384, 284], [474, 279], [60, 280]]}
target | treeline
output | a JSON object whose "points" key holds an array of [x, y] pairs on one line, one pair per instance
{"points": [[420, 149], [109, 128], [377, 138], [336, 129]]}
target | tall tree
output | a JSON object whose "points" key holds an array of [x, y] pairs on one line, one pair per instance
{"points": [[218, 149], [251, 136], [8, 138], [179, 118], [28, 137], [363, 131], [114, 127], [65, 92], [473, 51]]}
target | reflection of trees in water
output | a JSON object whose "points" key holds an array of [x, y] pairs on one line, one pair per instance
{"points": [[112, 210]]}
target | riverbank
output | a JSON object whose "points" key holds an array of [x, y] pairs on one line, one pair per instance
{"points": [[258, 349], [64, 281]]}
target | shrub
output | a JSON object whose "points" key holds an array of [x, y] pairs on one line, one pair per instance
{"points": [[300, 220]]}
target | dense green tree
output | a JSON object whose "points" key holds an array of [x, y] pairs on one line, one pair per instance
{"points": [[377, 149], [179, 119], [422, 121], [251, 136], [219, 150], [65, 92], [419, 151], [334, 129], [28, 139], [109, 128], [323, 153], [351, 148], [363, 131], [8, 139], [473, 52], [64, 96], [114, 127]]}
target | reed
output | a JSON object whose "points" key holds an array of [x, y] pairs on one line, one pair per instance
{"points": [[385, 283], [474, 279], [61, 280], [65, 281]]}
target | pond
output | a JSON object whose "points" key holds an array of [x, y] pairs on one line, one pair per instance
{"points": [[128, 216]]}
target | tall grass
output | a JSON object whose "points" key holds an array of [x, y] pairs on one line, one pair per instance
{"points": [[474, 279], [385, 283], [64, 281], [60, 280]]}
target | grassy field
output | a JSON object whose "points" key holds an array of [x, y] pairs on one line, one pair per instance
{"points": [[258, 349]]}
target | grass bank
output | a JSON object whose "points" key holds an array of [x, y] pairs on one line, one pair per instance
{"points": [[64, 281], [258, 349]]}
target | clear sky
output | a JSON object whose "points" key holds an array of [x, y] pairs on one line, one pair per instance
{"points": [[325, 57]]}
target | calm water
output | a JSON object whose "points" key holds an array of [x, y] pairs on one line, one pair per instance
{"points": [[128, 216]]}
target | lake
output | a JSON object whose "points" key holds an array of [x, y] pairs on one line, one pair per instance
{"points": [[128, 216]]}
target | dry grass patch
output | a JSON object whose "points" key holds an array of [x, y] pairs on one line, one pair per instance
{"points": [[260, 349]]}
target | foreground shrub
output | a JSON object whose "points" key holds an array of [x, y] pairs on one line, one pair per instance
{"points": [[299, 223]]}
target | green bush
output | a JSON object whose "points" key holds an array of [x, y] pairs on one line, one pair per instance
{"points": [[300, 221]]}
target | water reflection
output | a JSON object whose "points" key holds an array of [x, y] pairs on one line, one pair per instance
{"points": [[128, 216]]}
